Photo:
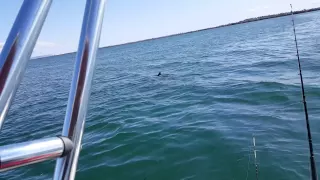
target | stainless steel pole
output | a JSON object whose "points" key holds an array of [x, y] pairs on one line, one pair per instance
{"points": [[18, 48], [21, 154], [80, 87]]}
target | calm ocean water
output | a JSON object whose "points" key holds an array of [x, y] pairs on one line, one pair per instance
{"points": [[196, 121]]}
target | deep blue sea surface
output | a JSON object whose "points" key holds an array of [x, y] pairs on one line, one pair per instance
{"points": [[218, 88]]}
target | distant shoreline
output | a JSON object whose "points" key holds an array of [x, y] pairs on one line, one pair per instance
{"points": [[229, 24], [270, 17], [225, 25]]}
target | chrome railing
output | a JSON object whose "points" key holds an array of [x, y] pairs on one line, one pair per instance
{"points": [[16, 155], [18, 48], [80, 87], [13, 60]]}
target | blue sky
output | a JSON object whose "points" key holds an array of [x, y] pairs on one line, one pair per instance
{"points": [[132, 20]]}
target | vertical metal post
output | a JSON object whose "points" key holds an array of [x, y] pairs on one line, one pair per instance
{"points": [[80, 87], [18, 48]]}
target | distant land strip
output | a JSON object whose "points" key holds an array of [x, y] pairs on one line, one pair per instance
{"points": [[230, 24], [269, 17]]}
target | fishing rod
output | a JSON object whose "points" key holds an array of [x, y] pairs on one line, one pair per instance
{"points": [[255, 156], [312, 161]]}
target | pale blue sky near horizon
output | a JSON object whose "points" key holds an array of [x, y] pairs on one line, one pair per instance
{"points": [[128, 21]]}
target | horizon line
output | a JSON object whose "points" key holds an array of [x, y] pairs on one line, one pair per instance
{"points": [[248, 20]]}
